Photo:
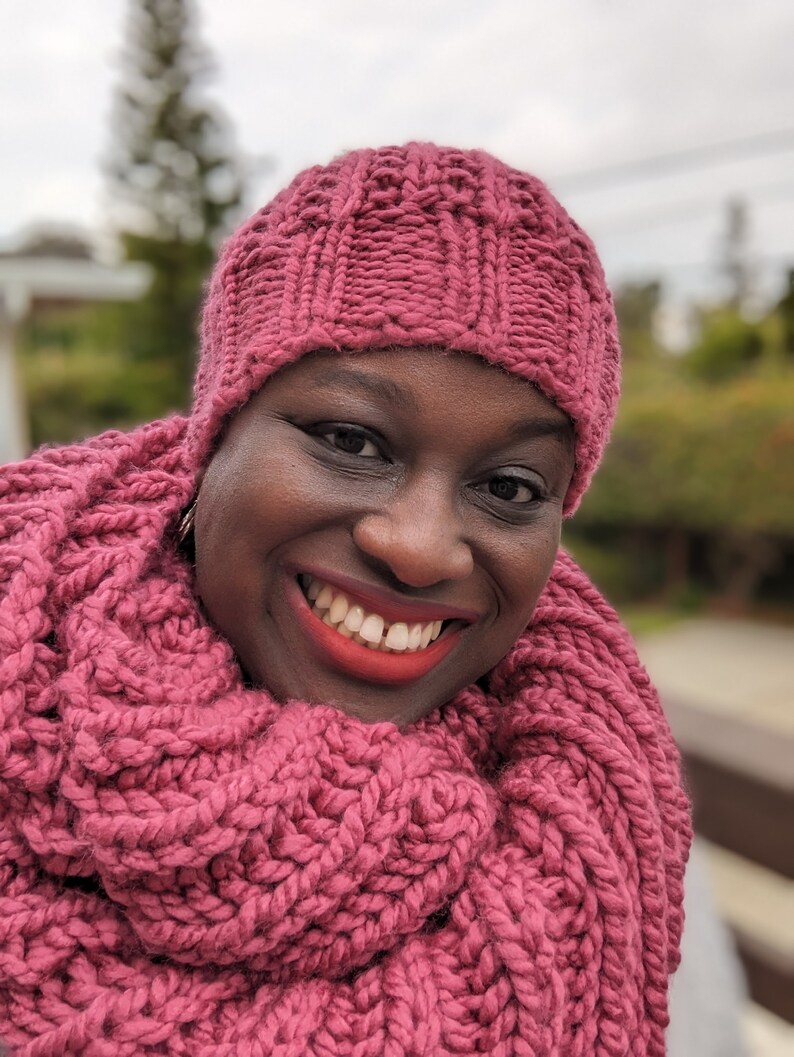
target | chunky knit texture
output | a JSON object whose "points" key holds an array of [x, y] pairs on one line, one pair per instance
{"points": [[421, 246], [190, 868]]}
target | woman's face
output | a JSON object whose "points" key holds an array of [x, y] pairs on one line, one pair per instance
{"points": [[361, 502]]}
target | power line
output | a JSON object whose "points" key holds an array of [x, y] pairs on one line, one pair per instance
{"points": [[687, 158], [682, 210], [659, 267]]}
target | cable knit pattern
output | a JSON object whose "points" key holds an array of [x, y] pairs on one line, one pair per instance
{"points": [[190, 869], [417, 245]]}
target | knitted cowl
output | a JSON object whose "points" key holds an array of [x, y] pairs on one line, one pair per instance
{"points": [[188, 867]]}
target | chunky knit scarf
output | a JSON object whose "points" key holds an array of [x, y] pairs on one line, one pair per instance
{"points": [[188, 868]]}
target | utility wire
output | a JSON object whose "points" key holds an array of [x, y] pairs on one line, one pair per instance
{"points": [[657, 268], [681, 211], [687, 158]]}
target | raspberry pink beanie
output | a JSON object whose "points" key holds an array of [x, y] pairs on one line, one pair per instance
{"points": [[414, 246]]}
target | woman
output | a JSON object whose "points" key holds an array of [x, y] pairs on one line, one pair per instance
{"points": [[312, 743]]}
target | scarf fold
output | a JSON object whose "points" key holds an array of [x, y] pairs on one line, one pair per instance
{"points": [[189, 868]]}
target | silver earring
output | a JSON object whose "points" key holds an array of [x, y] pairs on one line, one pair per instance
{"points": [[186, 524]]}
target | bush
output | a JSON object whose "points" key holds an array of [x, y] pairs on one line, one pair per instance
{"points": [[728, 345], [79, 392], [716, 460], [623, 568]]}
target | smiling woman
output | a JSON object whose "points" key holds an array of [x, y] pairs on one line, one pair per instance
{"points": [[312, 740], [353, 473]]}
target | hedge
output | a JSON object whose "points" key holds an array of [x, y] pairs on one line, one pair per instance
{"points": [[706, 459]]}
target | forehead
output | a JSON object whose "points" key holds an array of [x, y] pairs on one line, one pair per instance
{"points": [[427, 383]]}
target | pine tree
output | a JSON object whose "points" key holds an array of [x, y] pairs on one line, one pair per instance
{"points": [[174, 179]]}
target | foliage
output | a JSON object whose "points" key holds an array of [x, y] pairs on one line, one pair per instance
{"points": [[717, 459], [728, 345], [161, 328], [636, 305], [175, 181], [80, 381], [621, 564], [172, 166], [785, 312], [84, 391]]}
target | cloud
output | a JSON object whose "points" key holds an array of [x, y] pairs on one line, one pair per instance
{"points": [[558, 86]]}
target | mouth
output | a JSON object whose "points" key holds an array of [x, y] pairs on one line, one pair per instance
{"points": [[357, 639]]}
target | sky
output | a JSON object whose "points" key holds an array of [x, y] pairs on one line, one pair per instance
{"points": [[563, 88]]}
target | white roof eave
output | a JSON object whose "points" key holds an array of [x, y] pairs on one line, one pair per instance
{"points": [[24, 280]]}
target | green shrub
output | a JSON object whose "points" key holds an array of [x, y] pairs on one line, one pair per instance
{"points": [[706, 459], [623, 569], [78, 392], [727, 346]]}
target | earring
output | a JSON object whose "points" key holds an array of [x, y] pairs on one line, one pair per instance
{"points": [[185, 526]]}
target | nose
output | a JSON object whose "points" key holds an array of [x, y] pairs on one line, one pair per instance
{"points": [[419, 536]]}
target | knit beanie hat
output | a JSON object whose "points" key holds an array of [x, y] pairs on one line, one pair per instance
{"points": [[414, 246]]}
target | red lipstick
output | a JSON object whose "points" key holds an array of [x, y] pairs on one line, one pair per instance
{"points": [[372, 666]]}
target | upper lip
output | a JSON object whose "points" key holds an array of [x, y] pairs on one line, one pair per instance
{"points": [[390, 606]]}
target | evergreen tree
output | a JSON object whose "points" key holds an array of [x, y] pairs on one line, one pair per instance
{"points": [[785, 309], [636, 306], [736, 265], [174, 180]]}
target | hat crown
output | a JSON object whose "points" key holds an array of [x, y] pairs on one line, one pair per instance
{"points": [[413, 246]]}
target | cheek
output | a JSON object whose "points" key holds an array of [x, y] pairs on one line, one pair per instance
{"points": [[246, 499], [254, 500], [526, 571], [230, 525]]}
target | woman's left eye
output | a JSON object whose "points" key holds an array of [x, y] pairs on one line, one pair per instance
{"points": [[351, 440], [511, 489]]}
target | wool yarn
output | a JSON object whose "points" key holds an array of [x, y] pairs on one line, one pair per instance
{"points": [[190, 868], [414, 246]]}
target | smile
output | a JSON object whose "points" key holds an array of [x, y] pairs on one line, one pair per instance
{"points": [[350, 635], [352, 621]]}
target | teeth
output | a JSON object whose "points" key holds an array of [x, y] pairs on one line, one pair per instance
{"points": [[354, 618], [372, 628], [367, 629], [414, 636], [397, 637], [325, 598], [338, 610]]}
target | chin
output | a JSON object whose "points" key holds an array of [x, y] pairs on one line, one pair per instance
{"points": [[365, 702]]}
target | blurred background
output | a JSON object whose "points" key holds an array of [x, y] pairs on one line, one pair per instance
{"points": [[136, 133]]}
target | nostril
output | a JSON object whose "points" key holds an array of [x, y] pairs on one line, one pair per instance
{"points": [[418, 551]]}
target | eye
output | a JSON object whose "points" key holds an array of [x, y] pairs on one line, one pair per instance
{"points": [[510, 489], [352, 440]]}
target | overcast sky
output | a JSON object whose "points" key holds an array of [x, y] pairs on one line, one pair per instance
{"points": [[559, 87]]}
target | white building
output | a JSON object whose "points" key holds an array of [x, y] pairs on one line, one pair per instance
{"points": [[24, 280]]}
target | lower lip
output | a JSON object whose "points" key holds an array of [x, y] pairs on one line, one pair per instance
{"points": [[369, 666]]}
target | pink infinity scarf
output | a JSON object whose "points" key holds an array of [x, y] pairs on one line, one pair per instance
{"points": [[188, 868]]}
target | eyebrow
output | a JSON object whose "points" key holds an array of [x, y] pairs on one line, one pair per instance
{"points": [[371, 384], [543, 427], [389, 392]]}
